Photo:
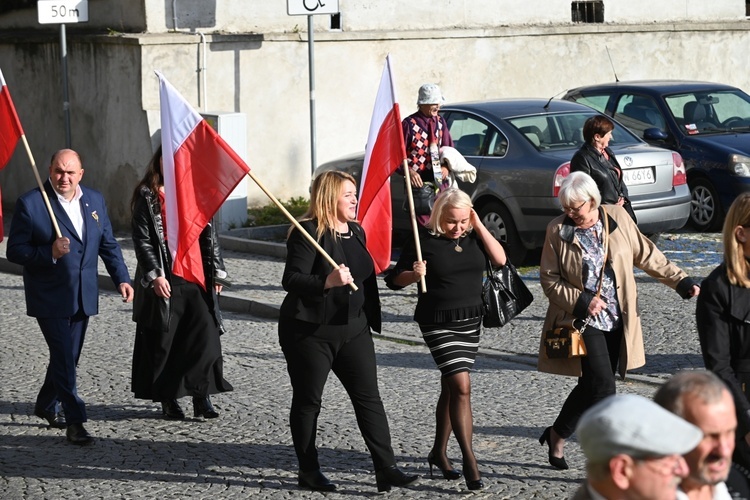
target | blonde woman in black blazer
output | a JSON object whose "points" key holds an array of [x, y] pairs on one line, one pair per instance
{"points": [[324, 326]]}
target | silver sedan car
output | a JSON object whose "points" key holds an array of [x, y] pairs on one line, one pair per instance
{"points": [[522, 150]]}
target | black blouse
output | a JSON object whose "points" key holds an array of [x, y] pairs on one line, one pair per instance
{"points": [[361, 266], [454, 279]]}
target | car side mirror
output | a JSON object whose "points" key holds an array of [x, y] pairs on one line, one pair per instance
{"points": [[654, 134]]}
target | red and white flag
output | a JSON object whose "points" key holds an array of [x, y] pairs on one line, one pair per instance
{"points": [[200, 172], [10, 133], [384, 153]]}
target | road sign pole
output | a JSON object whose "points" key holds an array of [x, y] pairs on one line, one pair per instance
{"points": [[66, 102], [311, 64]]}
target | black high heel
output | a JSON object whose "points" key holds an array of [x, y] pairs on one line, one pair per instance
{"points": [[202, 407], [473, 484], [556, 462], [449, 474]]}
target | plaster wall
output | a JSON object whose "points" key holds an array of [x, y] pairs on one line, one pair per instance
{"points": [[243, 16], [264, 16], [115, 102], [104, 15]]}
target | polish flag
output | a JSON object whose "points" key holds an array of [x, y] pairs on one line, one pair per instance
{"points": [[200, 172], [10, 133], [384, 153]]}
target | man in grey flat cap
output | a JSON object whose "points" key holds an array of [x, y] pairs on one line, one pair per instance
{"points": [[633, 450]]}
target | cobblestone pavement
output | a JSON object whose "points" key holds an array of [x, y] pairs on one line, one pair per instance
{"points": [[247, 452]]}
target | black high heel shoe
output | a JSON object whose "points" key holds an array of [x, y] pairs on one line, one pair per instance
{"points": [[473, 484], [390, 476], [202, 407], [556, 462], [449, 474]]}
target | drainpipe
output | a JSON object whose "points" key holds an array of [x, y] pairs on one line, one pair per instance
{"points": [[202, 72], [201, 69]]}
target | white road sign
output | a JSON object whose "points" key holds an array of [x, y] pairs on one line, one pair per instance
{"points": [[311, 7], [63, 11]]}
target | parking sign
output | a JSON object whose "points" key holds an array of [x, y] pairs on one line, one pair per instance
{"points": [[311, 7]]}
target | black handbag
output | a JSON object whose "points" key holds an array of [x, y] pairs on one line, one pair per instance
{"points": [[423, 197], [504, 295]]}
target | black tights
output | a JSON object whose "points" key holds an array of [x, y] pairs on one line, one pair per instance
{"points": [[453, 413]]}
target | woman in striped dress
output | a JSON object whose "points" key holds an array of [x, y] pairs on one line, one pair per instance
{"points": [[454, 245]]}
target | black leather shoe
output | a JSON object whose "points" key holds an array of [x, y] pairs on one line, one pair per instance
{"points": [[393, 476], [78, 435], [55, 420], [315, 480], [171, 410], [202, 407]]}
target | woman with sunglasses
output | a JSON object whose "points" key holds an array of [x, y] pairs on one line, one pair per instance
{"points": [[572, 263]]}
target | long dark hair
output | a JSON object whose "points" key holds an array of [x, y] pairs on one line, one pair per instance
{"points": [[152, 179]]}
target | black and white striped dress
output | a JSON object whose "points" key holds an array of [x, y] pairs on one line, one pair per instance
{"points": [[450, 313], [453, 345]]}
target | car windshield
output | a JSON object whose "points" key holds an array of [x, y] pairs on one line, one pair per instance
{"points": [[706, 112], [555, 131]]}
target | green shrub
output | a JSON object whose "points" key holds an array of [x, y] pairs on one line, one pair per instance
{"points": [[271, 215]]}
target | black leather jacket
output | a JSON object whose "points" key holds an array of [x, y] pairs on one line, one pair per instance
{"points": [[154, 260], [606, 174], [723, 319]]}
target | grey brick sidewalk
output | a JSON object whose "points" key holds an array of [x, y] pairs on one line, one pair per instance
{"points": [[247, 452]]}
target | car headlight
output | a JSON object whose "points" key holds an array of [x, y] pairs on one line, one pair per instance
{"points": [[740, 165]]}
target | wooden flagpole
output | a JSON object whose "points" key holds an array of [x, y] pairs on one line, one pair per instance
{"points": [[413, 218], [41, 186], [297, 225]]}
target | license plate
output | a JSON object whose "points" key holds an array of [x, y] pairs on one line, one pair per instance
{"points": [[635, 176]]}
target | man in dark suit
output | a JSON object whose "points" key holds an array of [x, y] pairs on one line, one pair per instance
{"points": [[61, 279]]}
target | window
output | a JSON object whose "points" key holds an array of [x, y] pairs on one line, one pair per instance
{"points": [[638, 113], [336, 22], [598, 102], [587, 12], [468, 133]]}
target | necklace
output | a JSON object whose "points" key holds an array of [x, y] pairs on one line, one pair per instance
{"points": [[458, 248]]}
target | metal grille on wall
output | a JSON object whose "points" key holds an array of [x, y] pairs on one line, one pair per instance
{"points": [[587, 12]]}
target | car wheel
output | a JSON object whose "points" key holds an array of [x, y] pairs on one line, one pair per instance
{"points": [[499, 223], [705, 212]]}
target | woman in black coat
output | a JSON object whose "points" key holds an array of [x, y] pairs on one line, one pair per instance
{"points": [[596, 159], [177, 347], [723, 320], [325, 326]]}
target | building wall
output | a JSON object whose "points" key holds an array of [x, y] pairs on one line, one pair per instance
{"points": [[270, 16], [114, 99]]}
